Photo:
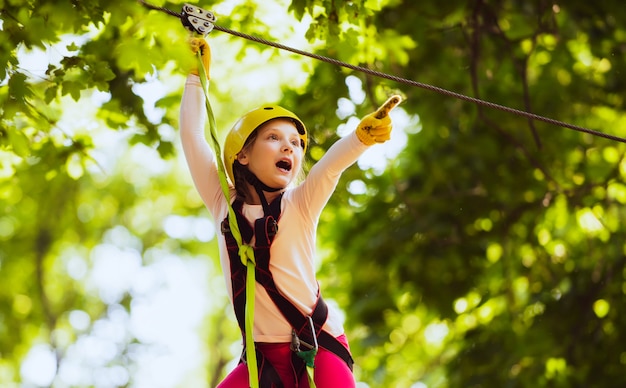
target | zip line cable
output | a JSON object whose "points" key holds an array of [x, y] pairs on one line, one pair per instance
{"points": [[401, 80], [422, 85]]}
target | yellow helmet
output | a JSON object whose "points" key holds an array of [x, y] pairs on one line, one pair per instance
{"points": [[250, 121]]}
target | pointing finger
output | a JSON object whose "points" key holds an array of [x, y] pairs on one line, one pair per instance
{"points": [[391, 103]]}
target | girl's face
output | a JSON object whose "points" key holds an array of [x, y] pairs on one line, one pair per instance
{"points": [[275, 156]]}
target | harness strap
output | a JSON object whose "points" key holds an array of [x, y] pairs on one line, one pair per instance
{"points": [[298, 321], [238, 273], [264, 231], [268, 376]]}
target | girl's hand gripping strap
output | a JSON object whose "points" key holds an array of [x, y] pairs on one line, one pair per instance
{"points": [[246, 252]]}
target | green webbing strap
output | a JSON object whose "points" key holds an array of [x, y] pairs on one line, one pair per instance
{"points": [[309, 359], [246, 252], [310, 372]]}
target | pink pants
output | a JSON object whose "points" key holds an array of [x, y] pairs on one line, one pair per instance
{"points": [[330, 370]]}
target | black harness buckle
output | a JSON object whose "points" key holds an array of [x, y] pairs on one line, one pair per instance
{"points": [[272, 227], [225, 226]]}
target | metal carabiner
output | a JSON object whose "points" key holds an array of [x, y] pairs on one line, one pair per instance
{"points": [[296, 342], [196, 19], [315, 345]]}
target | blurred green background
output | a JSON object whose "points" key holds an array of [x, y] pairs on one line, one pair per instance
{"points": [[475, 249]]}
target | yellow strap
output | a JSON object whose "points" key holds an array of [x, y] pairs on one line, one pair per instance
{"points": [[246, 252], [310, 371]]}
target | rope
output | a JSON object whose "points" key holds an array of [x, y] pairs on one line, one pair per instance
{"points": [[401, 80], [422, 85]]}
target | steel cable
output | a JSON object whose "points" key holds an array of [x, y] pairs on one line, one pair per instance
{"points": [[404, 81]]}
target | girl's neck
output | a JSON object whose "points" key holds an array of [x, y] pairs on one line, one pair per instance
{"points": [[253, 197]]}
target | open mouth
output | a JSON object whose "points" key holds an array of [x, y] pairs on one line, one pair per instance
{"points": [[284, 165]]}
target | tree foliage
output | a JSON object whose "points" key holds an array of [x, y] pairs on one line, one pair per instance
{"points": [[488, 252]]}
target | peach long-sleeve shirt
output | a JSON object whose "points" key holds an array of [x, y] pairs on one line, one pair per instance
{"points": [[293, 251]]}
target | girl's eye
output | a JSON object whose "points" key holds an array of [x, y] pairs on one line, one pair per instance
{"points": [[273, 137], [295, 143]]}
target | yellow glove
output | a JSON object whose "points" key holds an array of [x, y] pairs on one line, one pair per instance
{"points": [[376, 127], [205, 53]]}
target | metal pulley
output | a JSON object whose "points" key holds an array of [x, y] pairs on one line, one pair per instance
{"points": [[198, 20]]}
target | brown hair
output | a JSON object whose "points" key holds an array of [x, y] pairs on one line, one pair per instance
{"points": [[241, 184]]}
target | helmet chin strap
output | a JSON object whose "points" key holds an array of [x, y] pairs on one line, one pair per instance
{"points": [[259, 187]]}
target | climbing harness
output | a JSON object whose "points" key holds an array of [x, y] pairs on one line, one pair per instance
{"points": [[307, 331], [365, 70]]}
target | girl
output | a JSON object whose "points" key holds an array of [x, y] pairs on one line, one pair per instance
{"points": [[263, 156]]}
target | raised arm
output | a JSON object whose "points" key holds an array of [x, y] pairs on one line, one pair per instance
{"points": [[198, 153], [313, 194]]}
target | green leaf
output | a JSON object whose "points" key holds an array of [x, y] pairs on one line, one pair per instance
{"points": [[166, 149], [374, 5], [135, 55], [167, 101], [19, 141], [102, 71], [72, 88], [51, 93], [19, 90], [298, 7]]}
